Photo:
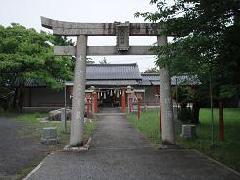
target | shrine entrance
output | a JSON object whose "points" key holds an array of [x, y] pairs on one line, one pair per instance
{"points": [[109, 97], [122, 31]]}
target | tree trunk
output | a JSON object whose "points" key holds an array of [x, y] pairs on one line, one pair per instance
{"points": [[221, 121], [20, 99], [15, 99], [195, 112]]}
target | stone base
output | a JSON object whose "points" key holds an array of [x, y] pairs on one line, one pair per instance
{"points": [[188, 131], [169, 146], [49, 141], [85, 147]]}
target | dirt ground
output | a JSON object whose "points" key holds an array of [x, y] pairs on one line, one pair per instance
{"points": [[18, 153]]}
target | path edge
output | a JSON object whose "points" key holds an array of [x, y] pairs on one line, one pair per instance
{"points": [[217, 162], [37, 167]]}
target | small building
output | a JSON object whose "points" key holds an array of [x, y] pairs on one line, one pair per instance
{"points": [[109, 81]]}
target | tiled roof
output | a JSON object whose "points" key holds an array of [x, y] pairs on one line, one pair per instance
{"points": [[112, 83], [148, 78], [113, 72], [154, 79], [122, 75], [108, 83]]}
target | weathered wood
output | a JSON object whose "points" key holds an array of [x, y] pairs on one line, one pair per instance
{"points": [[103, 51], [98, 29]]}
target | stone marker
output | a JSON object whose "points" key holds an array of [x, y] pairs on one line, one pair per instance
{"points": [[188, 131], [49, 135]]}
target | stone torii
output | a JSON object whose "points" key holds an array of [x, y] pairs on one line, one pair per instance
{"points": [[122, 31]]}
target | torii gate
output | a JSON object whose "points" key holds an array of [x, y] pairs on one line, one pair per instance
{"points": [[81, 50]]}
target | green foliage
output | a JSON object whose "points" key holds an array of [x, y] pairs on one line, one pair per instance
{"points": [[206, 39], [152, 70], [26, 54], [183, 94], [185, 115], [148, 124]]}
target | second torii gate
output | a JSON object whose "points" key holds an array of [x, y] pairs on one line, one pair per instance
{"points": [[122, 31]]}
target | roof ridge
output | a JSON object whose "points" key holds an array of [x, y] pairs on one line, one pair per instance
{"points": [[143, 73], [117, 64]]}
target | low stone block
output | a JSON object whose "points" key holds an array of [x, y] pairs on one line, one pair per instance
{"points": [[55, 115], [49, 135], [188, 131]]}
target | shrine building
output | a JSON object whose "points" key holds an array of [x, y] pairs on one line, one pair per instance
{"points": [[110, 82]]}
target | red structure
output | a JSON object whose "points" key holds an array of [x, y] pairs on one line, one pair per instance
{"points": [[123, 101], [139, 107], [95, 102], [130, 104], [88, 104]]}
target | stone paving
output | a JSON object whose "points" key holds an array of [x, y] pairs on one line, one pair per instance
{"points": [[118, 151]]}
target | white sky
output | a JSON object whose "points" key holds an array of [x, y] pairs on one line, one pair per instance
{"points": [[28, 12]]}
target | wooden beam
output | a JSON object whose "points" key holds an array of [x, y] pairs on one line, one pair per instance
{"points": [[98, 29], [103, 51]]}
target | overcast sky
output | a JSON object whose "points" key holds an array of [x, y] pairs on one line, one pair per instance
{"points": [[28, 12]]}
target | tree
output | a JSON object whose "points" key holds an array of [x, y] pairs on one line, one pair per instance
{"points": [[26, 55], [152, 70], [206, 41]]}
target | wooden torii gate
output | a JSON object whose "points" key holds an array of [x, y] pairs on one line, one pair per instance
{"points": [[122, 31]]}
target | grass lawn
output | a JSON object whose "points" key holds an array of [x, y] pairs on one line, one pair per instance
{"points": [[227, 152], [34, 127]]}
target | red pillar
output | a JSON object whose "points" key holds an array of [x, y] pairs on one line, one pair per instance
{"points": [[88, 106], [123, 101], [95, 102], [130, 104], [139, 108]]}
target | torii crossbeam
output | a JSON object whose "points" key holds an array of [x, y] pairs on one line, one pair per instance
{"points": [[122, 31]]}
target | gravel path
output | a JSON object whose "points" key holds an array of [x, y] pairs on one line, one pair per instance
{"points": [[17, 152], [118, 151]]}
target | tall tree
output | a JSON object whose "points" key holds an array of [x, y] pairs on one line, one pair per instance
{"points": [[152, 70], [26, 55], [206, 41]]}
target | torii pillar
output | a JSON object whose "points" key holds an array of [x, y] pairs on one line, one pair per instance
{"points": [[78, 104], [167, 124]]}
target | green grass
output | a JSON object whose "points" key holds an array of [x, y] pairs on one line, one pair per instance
{"points": [[33, 127], [148, 124], [227, 152]]}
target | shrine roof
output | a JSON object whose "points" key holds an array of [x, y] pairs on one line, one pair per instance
{"points": [[113, 72]]}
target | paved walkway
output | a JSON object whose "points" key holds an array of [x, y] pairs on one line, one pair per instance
{"points": [[18, 150], [118, 151]]}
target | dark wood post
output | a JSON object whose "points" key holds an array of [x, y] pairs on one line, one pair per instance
{"points": [[221, 122]]}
